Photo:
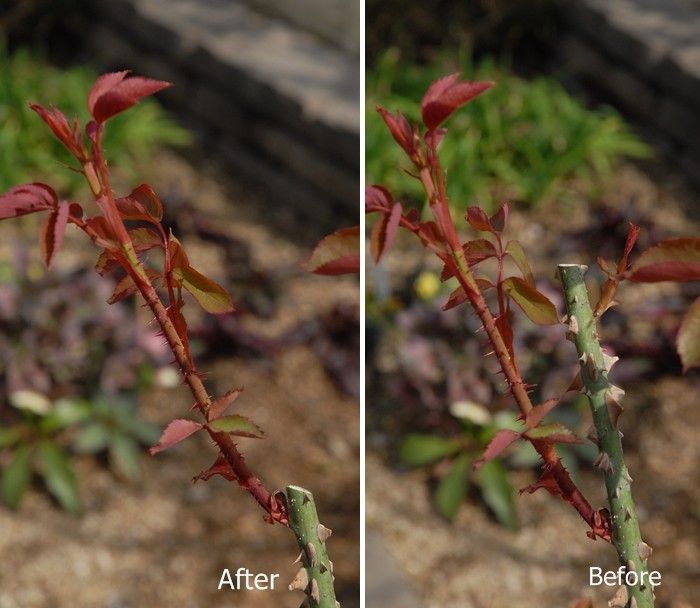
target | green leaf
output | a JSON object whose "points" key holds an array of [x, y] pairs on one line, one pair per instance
{"points": [[688, 340], [92, 439], [16, 477], [59, 477], [538, 308], [498, 493], [124, 458], [237, 425], [211, 296], [417, 450], [9, 437], [553, 433], [452, 489], [516, 252]]}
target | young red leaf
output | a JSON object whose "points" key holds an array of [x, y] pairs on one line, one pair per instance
{"points": [[607, 296], [400, 129], [445, 95], [377, 198], [538, 307], [478, 219], [110, 214], [142, 204], [547, 482], [126, 286], [456, 298], [483, 283], [688, 340], [237, 425], [174, 433], [478, 250], [431, 236], [146, 196], [629, 245], [211, 296], [144, 238], [27, 198], [504, 328], [69, 136], [101, 233], [501, 440], [384, 232], [515, 250], [177, 255], [337, 253], [52, 232], [113, 93], [220, 467], [219, 406], [475, 251], [434, 138], [499, 219], [537, 413], [123, 289], [106, 263], [180, 323], [671, 260]]}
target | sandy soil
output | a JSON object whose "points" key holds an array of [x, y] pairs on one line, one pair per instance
{"points": [[166, 543]]}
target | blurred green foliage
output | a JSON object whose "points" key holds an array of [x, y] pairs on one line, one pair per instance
{"points": [[451, 458], [44, 438], [30, 152], [523, 140], [71, 369], [456, 455]]}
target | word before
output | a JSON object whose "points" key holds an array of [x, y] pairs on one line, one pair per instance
{"points": [[622, 576], [245, 579]]}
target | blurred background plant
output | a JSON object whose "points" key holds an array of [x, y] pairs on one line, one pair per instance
{"points": [[71, 368], [28, 149], [526, 141]]}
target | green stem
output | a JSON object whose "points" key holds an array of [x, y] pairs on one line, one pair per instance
{"points": [[631, 550], [316, 576]]}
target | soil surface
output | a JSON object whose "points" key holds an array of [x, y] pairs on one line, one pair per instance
{"points": [[476, 563], [166, 543]]}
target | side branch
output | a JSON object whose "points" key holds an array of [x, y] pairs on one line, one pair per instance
{"points": [[566, 487], [632, 551], [275, 509]]}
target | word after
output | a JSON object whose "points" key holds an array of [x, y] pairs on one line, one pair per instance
{"points": [[245, 579]]}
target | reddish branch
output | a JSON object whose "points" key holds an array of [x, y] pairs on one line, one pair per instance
{"points": [[113, 93], [443, 97]]}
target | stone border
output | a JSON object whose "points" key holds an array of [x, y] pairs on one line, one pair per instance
{"points": [[643, 56], [275, 103]]}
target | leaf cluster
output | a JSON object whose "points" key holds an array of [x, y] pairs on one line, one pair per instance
{"points": [[27, 149], [528, 141]]}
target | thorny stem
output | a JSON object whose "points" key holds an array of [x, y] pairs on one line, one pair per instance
{"points": [[632, 551], [457, 259], [275, 509], [316, 575]]}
